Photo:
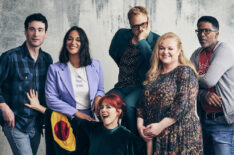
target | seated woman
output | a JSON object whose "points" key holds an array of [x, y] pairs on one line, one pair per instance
{"points": [[107, 137], [75, 83]]}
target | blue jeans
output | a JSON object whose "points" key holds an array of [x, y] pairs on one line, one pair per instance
{"points": [[22, 143], [218, 137], [130, 96]]}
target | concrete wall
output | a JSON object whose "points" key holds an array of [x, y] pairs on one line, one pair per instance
{"points": [[101, 19]]}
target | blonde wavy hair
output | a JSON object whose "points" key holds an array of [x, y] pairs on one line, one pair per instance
{"points": [[157, 66]]}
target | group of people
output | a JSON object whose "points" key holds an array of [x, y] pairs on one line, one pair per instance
{"points": [[152, 109]]}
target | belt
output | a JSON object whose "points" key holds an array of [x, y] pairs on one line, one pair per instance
{"points": [[214, 115]]}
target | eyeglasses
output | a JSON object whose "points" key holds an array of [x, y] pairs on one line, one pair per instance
{"points": [[206, 31], [137, 27]]}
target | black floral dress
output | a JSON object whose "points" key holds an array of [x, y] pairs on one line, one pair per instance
{"points": [[173, 95]]}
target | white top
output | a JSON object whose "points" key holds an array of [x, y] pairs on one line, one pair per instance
{"points": [[80, 86]]}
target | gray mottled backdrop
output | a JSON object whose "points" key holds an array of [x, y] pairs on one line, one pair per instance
{"points": [[101, 19]]}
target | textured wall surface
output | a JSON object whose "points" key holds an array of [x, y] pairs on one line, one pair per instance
{"points": [[101, 19]]}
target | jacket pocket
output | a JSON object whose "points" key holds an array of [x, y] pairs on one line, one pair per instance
{"points": [[26, 81]]}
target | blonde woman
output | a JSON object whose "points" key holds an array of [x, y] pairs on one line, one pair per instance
{"points": [[167, 119]]}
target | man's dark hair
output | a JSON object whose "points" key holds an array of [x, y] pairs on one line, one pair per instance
{"points": [[36, 17], [209, 19], [84, 53]]}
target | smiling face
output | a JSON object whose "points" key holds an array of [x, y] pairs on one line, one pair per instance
{"points": [[35, 34], [207, 40], [168, 52], [73, 43], [109, 115]]}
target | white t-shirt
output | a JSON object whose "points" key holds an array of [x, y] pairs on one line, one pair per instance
{"points": [[80, 86]]}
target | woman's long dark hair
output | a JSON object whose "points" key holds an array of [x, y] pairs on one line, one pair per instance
{"points": [[84, 54]]}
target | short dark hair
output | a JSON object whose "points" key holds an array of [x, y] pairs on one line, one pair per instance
{"points": [[209, 19], [84, 54], [36, 17]]}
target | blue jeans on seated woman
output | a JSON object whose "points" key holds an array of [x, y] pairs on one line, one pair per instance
{"points": [[218, 136]]}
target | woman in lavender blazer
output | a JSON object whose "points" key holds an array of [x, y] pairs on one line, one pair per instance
{"points": [[75, 83]]}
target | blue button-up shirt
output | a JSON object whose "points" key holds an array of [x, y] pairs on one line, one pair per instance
{"points": [[18, 74]]}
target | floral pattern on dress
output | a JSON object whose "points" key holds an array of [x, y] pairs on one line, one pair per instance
{"points": [[173, 95]]}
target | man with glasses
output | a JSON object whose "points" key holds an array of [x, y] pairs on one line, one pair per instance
{"points": [[215, 65], [21, 69], [131, 50]]}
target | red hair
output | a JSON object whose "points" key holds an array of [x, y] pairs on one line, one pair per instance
{"points": [[114, 100]]}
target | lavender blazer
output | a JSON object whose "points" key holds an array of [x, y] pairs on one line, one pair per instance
{"points": [[59, 91]]}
